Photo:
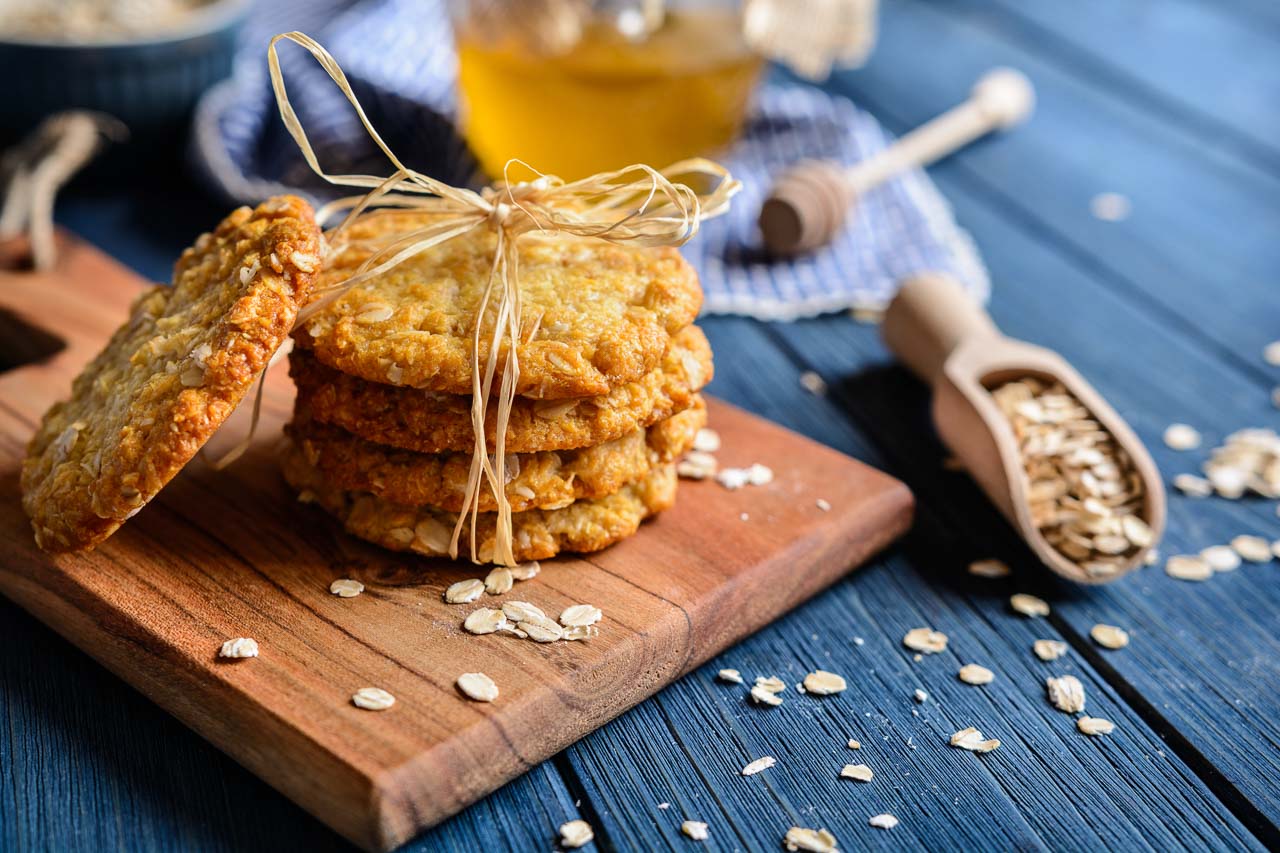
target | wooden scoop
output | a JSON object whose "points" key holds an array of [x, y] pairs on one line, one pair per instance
{"points": [[946, 339], [809, 202]]}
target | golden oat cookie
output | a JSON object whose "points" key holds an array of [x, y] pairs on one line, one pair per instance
{"points": [[439, 423], [582, 526], [544, 480], [170, 375], [595, 315]]}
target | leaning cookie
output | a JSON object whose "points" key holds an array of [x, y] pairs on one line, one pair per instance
{"points": [[596, 314], [438, 423], [538, 534], [170, 375], [544, 480]]}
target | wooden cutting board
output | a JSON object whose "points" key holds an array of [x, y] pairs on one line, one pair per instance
{"points": [[228, 554]]}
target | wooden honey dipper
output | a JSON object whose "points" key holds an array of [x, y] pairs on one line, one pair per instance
{"points": [[945, 338], [809, 202]]}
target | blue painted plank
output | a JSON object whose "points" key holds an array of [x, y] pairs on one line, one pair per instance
{"points": [[1200, 246], [1046, 787], [1200, 63], [91, 765], [1205, 657]]}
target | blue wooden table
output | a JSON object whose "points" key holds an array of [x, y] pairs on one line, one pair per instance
{"points": [[1173, 104]]}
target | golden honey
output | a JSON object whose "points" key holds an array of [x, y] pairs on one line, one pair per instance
{"points": [[607, 102]]}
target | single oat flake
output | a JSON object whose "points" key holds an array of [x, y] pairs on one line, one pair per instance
{"points": [[1066, 693], [763, 696], [525, 571], [925, 640], [972, 673], [972, 740], [519, 611], [372, 699], [695, 829], [1028, 605], [1095, 726], [240, 647], [478, 686], [812, 840], [822, 683], [499, 581], [732, 676], [464, 592], [576, 833], [580, 615], [759, 764], [853, 744], [1193, 486], [484, 621], [858, 772], [920, 695], [989, 568], [772, 683], [883, 821], [1109, 636], [1221, 558], [1181, 437], [1255, 549], [706, 440], [1185, 567], [1049, 649], [346, 588]]}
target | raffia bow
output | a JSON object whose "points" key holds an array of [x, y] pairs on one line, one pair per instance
{"points": [[637, 205]]}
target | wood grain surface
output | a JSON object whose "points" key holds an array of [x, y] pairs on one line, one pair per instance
{"points": [[227, 554]]}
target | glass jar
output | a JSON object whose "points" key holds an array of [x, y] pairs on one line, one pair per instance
{"points": [[574, 87]]}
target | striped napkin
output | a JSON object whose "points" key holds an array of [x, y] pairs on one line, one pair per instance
{"points": [[399, 57]]}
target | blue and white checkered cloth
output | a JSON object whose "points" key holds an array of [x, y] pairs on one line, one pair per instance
{"points": [[399, 57]]}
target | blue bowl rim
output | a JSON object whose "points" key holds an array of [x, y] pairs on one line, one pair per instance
{"points": [[210, 18]]}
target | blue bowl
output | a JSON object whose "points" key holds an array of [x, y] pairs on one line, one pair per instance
{"points": [[151, 83]]}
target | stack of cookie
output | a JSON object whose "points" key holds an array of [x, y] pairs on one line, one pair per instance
{"points": [[609, 373]]}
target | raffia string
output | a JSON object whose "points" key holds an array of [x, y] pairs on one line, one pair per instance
{"points": [[637, 205]]}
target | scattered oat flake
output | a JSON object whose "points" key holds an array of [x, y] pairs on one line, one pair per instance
{"points": [[823, 683], [920, 695], [464, 592], [695, 829], [372, 699], [1221, 558], [1255, 549], [1095, 726], [580, 615], [519, 611], [883, 821], [972, 673], [706, 440], [346, 588], [853, 744], [1181, 437], [240, 647], [812, 840], [1049, 649], [1066, 693], [1185, 567], [477, 686], [759, 764], [736, 478], [1110, 207], [859, 772], [823, 504], [499, 581], [576, 833], [762, 696], [525, 571], [771, 683], [730, 675], [813, 383], [484, 621], [1271, 354], [989, 568], [664, 806], [1193, 486], [972, 740], [581, 632], [540, 628], [1109, 636], [697, 465], [925, 640], [1028, 605]]}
